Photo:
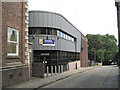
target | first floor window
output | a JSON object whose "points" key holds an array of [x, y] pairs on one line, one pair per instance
{"points": [[12, 41]]}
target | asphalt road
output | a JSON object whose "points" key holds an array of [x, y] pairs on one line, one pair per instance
{"points": [[103, 77]]}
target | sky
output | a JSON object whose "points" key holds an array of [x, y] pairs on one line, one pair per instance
{"points": [[89, 16]]}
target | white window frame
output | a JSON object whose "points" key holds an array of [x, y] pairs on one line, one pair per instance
{"points": [[17, 46], [58, 33]]}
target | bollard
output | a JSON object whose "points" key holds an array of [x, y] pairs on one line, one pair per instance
{"points": [[51, 70], [55, 70], [58, 69], [61, 68], [67, 67], [47, 71]]}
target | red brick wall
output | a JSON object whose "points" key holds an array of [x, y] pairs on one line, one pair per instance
{"points": [[13, 16], [84, 52]]}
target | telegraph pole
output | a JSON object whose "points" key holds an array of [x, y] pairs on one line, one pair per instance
{"points": [[117, 4]]}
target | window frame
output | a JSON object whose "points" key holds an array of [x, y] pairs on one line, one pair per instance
{"points": [[14, 42]]}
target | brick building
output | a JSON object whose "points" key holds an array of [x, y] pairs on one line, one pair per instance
{"points": [[84, 51], [14, 50]]}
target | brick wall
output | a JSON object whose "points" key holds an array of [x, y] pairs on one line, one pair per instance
{"points": [[13, 16], [84, 52], [15, 69]]}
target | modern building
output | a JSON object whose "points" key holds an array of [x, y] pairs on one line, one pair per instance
{"points": [[14, 47], [55, 40]]}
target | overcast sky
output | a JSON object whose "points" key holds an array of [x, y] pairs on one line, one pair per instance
{"points": [[89, 16]]}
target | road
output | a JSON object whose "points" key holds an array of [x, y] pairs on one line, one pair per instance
{"points": [[103, 77]]}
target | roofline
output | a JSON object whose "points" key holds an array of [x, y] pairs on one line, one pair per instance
{"points": [[56, 14]]}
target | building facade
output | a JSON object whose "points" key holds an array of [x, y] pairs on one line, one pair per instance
{"points": [[14, 41], [55, 40]]}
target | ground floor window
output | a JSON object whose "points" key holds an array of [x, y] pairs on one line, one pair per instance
{"points": [[55, 57]]}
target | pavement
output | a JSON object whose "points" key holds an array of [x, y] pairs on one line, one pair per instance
{"points": [[36, 82]]}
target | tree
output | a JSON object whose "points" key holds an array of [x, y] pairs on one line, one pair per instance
{"points": [[100, 55], [102, 47]]}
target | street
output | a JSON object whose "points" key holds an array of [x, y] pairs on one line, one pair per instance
{"points": [[103, 77]]}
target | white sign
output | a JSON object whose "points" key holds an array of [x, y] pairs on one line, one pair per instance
{"points": [[45, 54], [49, 42]]}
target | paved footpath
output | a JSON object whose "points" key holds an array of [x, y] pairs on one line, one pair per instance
{"points": [[35, 83]]}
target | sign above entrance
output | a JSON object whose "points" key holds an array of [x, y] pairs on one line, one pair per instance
{"points": [[48, 42], [45, 54]]}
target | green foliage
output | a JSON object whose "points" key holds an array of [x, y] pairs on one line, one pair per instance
{"points": [[102, 48]]}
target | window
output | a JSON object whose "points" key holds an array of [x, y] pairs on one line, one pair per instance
{"points": [[70, 38], [30, 31], [38, 31], [49, 31], [54, 32], [63, 35], [12, 41], [43, 31], [60, 34], [66, 36], [73, 39]]}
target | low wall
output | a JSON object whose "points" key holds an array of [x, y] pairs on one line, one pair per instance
{"points": [[14, 75], [74, 65], [38, 69], [78, 64]]}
